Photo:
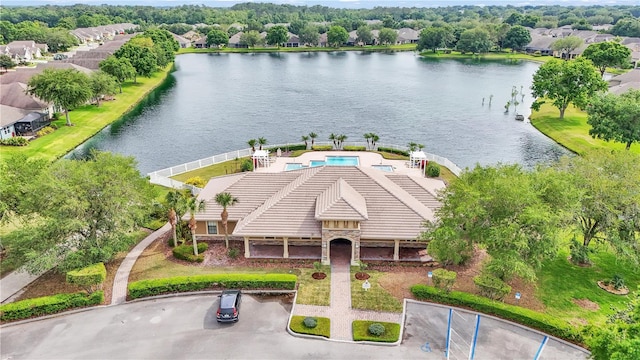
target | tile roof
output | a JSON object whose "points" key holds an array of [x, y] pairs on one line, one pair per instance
{"points": [[291, 203]]}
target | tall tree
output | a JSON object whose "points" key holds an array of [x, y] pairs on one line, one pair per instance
{"points": [[616, 117], [262, 141], [6, 62], [194, 205], [305, 138], [177, 204], [225, 200], [86, 211], [475, 41], [277, 35], [566, 45], [517, 38], [120, 68], [627, 27], [607, 54], [566, 82], [251, 38], [513, 213], [252, 143], [434, 38], [67, 88], [142, 57], [102, 84], [309, 35], [387, 36], [337, 35], [609, 198], [313, 137], [217, 37], [364, 35]]}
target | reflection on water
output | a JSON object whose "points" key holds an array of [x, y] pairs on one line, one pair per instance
{"points": [[214, 103]]}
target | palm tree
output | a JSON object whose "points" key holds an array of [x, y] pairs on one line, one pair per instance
{"points": [[367, 136], [412, 147], [341, 138], [225, 200], [420, 147], [305, 139], [374, 140], [193, 206], [334, 138], [252, 143], [177, 201], [262, 141], [313, 137]]}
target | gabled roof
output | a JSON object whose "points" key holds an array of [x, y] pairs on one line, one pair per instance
{"points": [[10, 115], [15, 95], [408, 34], [631, 76], [285, 203], [341, 202]]}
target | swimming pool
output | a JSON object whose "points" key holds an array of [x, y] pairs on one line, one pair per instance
{"points": [[293, 166], [336, 161], [385, 168]]}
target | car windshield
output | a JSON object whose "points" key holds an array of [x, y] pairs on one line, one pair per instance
{"points": [[227, 301]]}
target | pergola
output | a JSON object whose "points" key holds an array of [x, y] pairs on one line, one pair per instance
{"points": [[260, 159], [418, 159]]}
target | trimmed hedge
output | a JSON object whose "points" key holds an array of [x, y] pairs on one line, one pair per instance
{"points": [[354, 148], [444, 279], [491, 287], [323, 328], [88, 277], [185, 252], [48, 305], [322, 147], [536, 320], [432, 170], [393, 151], [360, 330], [176, 284], [288, 148]]}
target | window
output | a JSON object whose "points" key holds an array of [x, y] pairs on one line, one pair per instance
{"points": [[212, 227]]}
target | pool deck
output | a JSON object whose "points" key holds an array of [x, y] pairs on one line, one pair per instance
{"points": [[367, 159]]}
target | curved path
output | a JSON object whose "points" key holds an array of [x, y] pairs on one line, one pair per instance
{"points": [[120, 282]]}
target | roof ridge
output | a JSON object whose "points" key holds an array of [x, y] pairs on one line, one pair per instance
{"points": [[396, 191], [355, 207], [337, 191], [279, 195]]}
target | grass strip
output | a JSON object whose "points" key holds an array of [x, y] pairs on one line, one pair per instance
{"points": [[322, 329], [360, 330]]}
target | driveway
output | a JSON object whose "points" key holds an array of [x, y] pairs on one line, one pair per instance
{"points": [[178, 328]]}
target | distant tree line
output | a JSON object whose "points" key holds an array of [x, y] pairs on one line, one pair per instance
{"points": [[255, 15]]}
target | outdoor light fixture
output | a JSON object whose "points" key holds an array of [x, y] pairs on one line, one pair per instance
{"points": [[518, 296]]}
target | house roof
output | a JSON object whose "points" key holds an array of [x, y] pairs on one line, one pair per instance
{"points": [[14, 94], [10, 115], [291, 203], [92, 64], [624, 87], [408, 34], [541, 42], [631, 76]]}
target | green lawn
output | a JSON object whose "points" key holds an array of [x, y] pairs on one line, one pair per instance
{"points": [[89, 120], [312, 291], [403, 47], [360, 329], [376, 298], [224, 168], [323, 328], [571, 132], [560, 282], [488, 56]]}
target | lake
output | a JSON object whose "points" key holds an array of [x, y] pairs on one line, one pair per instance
{"points": [[214, 103]]}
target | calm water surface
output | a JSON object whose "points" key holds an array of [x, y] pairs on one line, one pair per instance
{"points": [[214, 103]]}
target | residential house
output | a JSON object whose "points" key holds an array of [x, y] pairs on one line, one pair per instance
{"points": [[312, 210], [27, 50], [293, 41], [22, 114], [407, 36], [191, 35], [184, 42], [200, 43], [624, 82], [322, 40], [540, 45], [234, 41]]}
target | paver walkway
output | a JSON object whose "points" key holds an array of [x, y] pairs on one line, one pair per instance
{"points": [[339, 310], [119, 292]]}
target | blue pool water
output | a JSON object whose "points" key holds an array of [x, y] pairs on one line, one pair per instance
{"points": [[336, 161], [385, 168], [293, 166]]}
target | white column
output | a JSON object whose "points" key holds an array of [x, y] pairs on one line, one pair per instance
{"points": [[286, 248], [247, 253], [396, 250]]}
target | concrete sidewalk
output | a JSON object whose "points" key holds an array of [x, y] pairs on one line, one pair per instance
{"points": [[12, 285]]}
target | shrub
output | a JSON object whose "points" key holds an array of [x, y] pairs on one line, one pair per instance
{"points": [[310, 322], [196, 181], [323, 327], [317, 266], [376, 329], [288, 148], [48, 305], [617, 282], [432, 170], [322, 147], [45, 130], [354, 148], [246, 165], [88, 277], [491, 286], [176, 284], [185, 252], [362, 331], [444, 279], [233, 253], [537, 53], [579, 253], [156, 224], [15, 141], [527, 317], [393, 151], [363, 265]]}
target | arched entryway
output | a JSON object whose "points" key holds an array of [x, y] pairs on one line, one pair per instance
{"points": [[340, 251]]}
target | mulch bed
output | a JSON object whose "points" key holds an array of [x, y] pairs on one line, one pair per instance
{"points": [[319, 275], [362, 276], [610, 289]]}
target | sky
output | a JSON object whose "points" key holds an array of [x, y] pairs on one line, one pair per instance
{"points": [[330, 3]]}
